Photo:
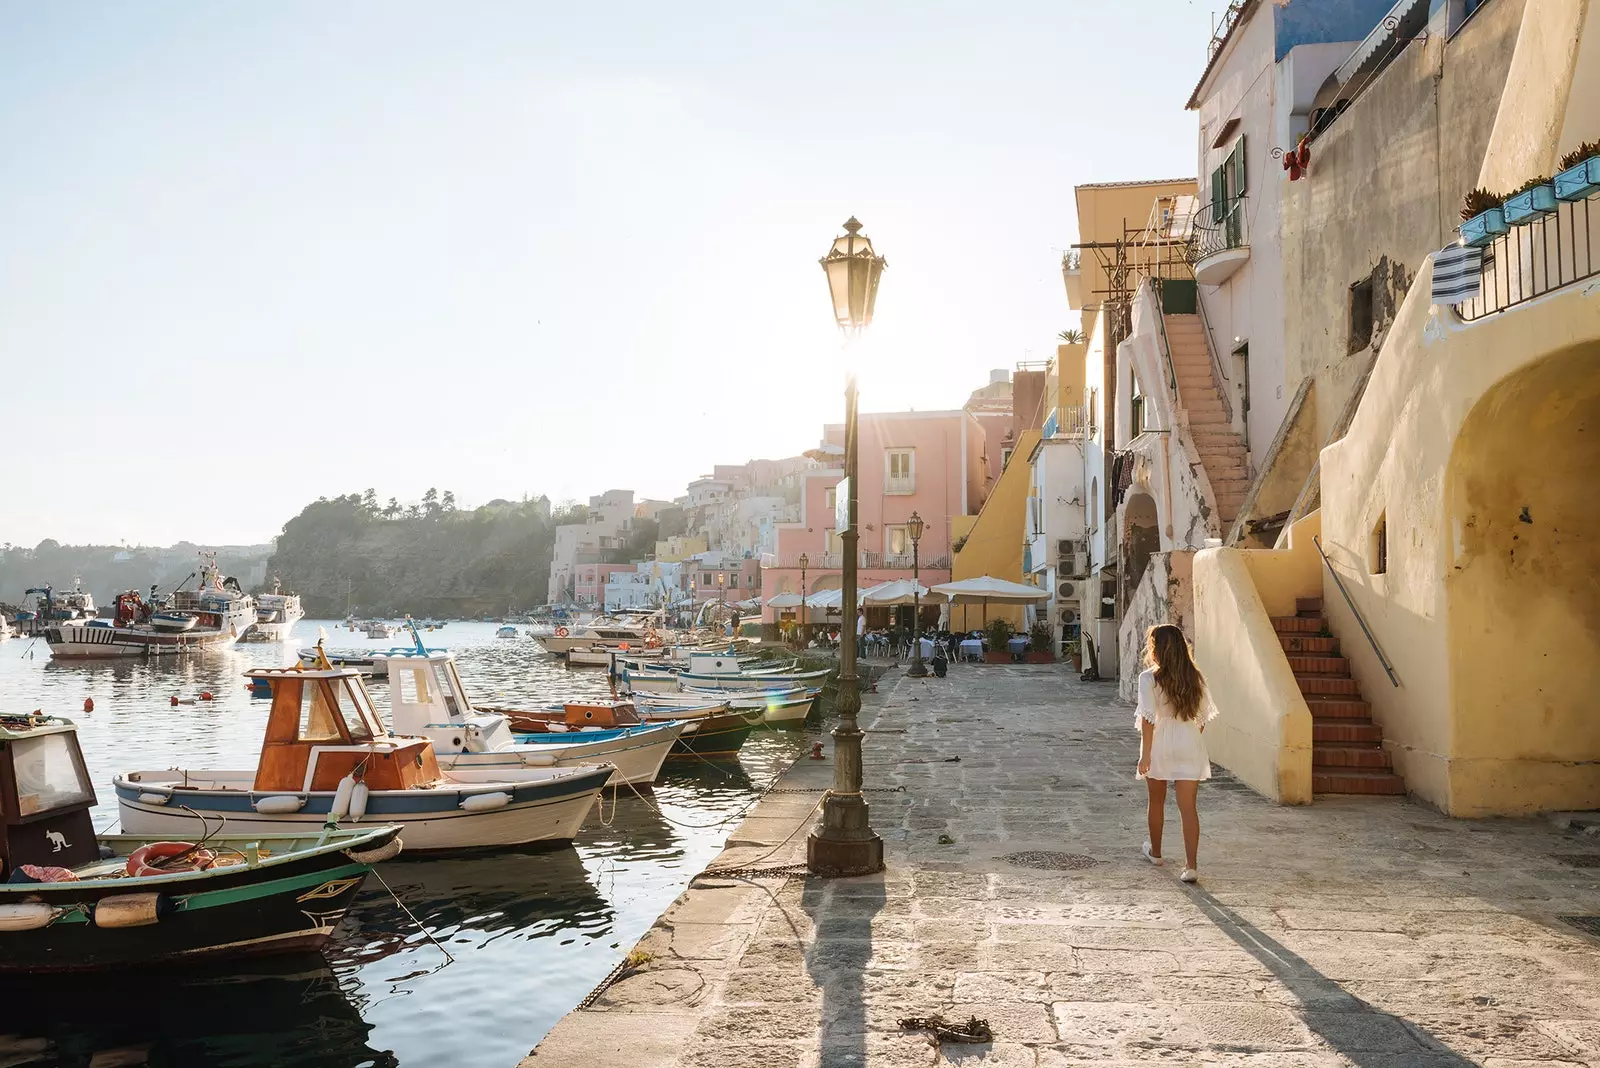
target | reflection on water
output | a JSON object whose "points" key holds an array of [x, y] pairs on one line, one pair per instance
{"points": [[530, 931]]}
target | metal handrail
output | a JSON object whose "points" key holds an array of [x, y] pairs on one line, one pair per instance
{"points": [[1166, 347], [1216, 357], [1337, 581]]}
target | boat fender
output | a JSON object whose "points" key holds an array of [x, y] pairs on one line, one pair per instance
{"points": [[147, 859], [358, 801], [341, 799], [131, 910], [28, 916], [561, 632], [539, 760], [279, 804], [388, 851], [485, 802], [151, 797], [88, 704]]}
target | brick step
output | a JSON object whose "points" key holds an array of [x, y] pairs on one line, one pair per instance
{"points": [[1347, 781], [1337, 706], [1363, 757], [1308, 606], [1195, 379], [1328, 686], [1308, 643], [1296, 625], [1335, 731], [1305, 664]]}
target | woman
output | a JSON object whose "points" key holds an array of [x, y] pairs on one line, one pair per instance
{"points": [[1173, 711]]}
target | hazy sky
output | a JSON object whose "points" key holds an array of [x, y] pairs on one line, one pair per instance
{"points": [[251, 254]]}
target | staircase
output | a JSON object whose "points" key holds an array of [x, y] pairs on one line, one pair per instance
{"points": [[1347, 754], [1222, 451]]}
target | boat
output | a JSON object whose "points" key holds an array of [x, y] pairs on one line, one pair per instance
{"points": [[221, 610], [49, 608], [776, 706], [378, 629], [276, 614], [600, 633], [725, 672], [326, 755], [428, 700], [507, 631], [367, 664], [714, 730], [77, 901]]}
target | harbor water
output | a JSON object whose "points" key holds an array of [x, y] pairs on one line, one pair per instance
{"points": [[530, 932]]}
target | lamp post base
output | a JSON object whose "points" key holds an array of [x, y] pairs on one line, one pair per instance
{"points": [[833, 858], [917, 670]]}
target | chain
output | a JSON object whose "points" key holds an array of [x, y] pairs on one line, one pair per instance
{"points": [[747, 873]]}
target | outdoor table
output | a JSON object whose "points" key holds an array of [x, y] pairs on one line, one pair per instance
{"points": [[971, 649], [1017, 646]]}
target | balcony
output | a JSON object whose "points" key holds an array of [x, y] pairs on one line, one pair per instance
{"points": [[1530, 260], [900, 487], [1220, 244], [1073, 277], [1066, 422]]}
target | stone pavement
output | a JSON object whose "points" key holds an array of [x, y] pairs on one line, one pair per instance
{"points": [[1370, 932]]}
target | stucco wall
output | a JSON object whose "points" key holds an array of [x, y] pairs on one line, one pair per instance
{"points": [[1165, 595], [1263, 730]]}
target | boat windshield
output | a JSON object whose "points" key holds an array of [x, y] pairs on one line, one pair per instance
{"points": [[320, 716], [50, 774], [360, 717]]}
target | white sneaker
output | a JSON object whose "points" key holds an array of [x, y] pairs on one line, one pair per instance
{"points": [[1190, 875], [1148, 855]]}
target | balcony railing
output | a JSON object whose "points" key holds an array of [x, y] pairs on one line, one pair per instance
{"points": [[900, 487], [1219, 229], [1530, 260], [1066, 421]]}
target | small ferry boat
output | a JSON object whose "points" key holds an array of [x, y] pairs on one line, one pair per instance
{"points": [[276, 614], [326, 756], [72, 900], [220, 609]]}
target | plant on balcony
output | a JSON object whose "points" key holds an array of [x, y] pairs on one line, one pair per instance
{"points": [[1580, 172], [999, 632], [1483, 218], [1529, 201], [1041, 643]]}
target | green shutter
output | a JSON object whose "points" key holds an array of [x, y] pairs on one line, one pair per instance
{"points": [[1239, 179], [1219, 193]]}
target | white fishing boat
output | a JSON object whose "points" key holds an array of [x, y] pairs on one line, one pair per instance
{"points": [[326, 757], [725, 672], [603, 633], [507, 631], [221, 610], [52, 608], [378, 630], [778, 707], [276, 615], [428, 700], [367, 664], [173, 622]]}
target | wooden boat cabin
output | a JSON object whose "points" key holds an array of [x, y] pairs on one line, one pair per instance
{"points": [[45, 795], [322, 727]]}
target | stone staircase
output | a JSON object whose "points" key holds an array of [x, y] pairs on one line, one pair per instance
{"points": [[1222, 451], [1347, 753]]}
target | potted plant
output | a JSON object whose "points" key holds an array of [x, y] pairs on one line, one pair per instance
{"points": [[1580, 172], [1071, 651], [1531, 200], [1041, 644], [1483, 219], [999, 632]]}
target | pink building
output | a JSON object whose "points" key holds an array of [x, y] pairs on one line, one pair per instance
{"points": [[589, 580], [931, 463]]}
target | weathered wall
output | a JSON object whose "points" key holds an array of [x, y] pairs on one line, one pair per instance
{"points": [[1533, 105], [1283, 474], [1165, 595], [1263, 729]]}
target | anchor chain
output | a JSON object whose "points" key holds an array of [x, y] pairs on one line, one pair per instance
{"points": [[974, 1030]]}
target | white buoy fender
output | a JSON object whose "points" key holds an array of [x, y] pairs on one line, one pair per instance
{"points": [[341, 799], [358, 801], [151, 797], [29, 916], [485, 802], [128, 910], [279, 804], [539, 760]]}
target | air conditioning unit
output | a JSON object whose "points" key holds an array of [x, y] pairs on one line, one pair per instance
{"points": [[1066, 547], [1065, 589], [1069, 615], [1075, 566]]}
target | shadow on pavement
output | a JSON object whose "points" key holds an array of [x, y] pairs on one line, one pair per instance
{"points": [[837, 961], [1364, 1035]]}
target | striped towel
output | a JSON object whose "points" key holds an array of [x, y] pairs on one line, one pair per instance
{"points": [[1457, 272]]}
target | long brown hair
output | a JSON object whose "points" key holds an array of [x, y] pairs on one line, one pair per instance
{"points": [[1166, 650]]}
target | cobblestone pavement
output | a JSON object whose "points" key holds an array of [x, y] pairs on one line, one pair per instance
{"points": [[1358, 931]]}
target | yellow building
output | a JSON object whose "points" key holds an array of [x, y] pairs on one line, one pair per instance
{"points": [[1458, 603], [680, 547], [994, 541]]}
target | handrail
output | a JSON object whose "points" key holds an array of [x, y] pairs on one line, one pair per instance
{"points": [[1216, 357], [1337, 581], [1166, 347]]}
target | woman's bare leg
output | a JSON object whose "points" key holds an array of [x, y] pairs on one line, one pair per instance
{"points": [[1156, 814], [1188, 791]]}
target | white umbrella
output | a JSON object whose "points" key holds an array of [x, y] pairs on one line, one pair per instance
{"points": [[784, 600], [895, 591], [986, 588], [826, 599]]}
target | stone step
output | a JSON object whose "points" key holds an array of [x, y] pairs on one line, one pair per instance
{"points": [[1338, 731], [1296, 625], [1304, 664], [1337, 706], [1347, 781], [1205, 439], [1363, 757], [1327, 686], [1308, 643], [1308, 606]]}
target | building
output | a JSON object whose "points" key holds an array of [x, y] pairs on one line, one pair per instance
{"points": [[991, 406], [718, 575], [931, 463], [650, 584], [1425, 621], [599, 542], [1055, 556]]}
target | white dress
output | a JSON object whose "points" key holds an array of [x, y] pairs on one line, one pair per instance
{"points": [[1178, 750]]}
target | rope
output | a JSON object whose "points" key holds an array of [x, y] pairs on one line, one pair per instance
{"points": [[415, 922]]}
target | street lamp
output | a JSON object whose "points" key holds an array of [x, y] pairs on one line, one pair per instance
{"points": [[844, 843], [918, 669], [805, 561]]}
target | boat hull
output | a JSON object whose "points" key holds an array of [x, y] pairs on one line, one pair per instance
{"points": [[285, 907], [636, 754], [432, 820], [716, 737], [93, 643], [695, 681]]}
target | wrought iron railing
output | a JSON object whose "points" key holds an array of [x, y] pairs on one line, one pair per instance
{"points": [[1218, 228], [1528, 261]]}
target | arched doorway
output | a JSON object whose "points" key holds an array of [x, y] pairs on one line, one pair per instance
{"points": [[1522, 586], [1141, 537]]}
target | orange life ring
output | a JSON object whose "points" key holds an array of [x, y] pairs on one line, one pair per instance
{"points": [[561, 632], [146, 860]]}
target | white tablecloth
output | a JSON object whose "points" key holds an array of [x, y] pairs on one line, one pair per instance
{"points": [[973, 648]]}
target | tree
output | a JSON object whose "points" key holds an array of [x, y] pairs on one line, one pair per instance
{"points": [[413, 512], [369, 501], [448, 502], [1071, 337], [392, 509], [430, 503]]}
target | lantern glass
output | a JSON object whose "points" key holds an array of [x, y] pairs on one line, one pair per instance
{"points": [[805, 561], [853, 271], [914, 527]]}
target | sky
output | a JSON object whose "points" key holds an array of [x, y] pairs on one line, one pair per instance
{"points": [[255, 254]]}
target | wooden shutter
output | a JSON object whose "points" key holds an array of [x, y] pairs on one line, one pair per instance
{"points": [[1219, 193], [1239, 179]]}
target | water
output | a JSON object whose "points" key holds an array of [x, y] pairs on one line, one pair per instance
{"points": [[531, 932]]}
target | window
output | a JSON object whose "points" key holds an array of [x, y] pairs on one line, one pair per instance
{"points": [[830, 498], [900, 470], [1378, 547], [835, 543], [1228, 184], [50, 774], [319, 717], [705, 578], [1094, 504], [1361, 314], [896, 541], [1094, 409], [1005, 456]]}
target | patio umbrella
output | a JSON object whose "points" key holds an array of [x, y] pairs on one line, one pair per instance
{"points": [[986, 588], [826, 599], [784, 600], [895, 591]]}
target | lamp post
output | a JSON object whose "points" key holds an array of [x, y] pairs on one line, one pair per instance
{"points": [[805, 562], [844, 843], [918, 669]]}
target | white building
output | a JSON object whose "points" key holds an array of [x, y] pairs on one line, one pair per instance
{"points": [[1056, 556]]}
